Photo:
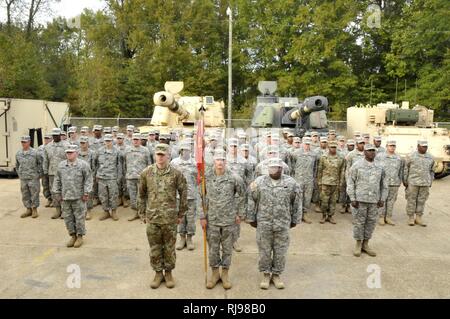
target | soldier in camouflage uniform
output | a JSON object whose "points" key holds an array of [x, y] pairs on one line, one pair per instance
{"points": [[129, 137], [263, 169], [73, 183], [186, 164], [418, 176], [330, 174], [123, 198], [377, 144], [108, 171], [54, 153], [135, 159], [367, 189], [73, 136], [95, 143], [393, 167], [45, 180], [159, 187], [88, 156], [275, 205], [343, 197], [315, 142], [225, 202], [29, 170], [304, 167]]}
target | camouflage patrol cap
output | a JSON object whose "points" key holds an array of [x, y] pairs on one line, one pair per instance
{"points": [[359, 140], [391, 142], [108, 137], [164, 136], [245, 147], [332, 144], [107, 129], [366, 135], [136, 136], [350, 142], [233, 142], [323, 139], [97, 128], [314, 133], [290, 134], [120, 135], [185, 146], [273, 149], [341, 138], [84, 129], [64, 133], [84, 139], [274, 162], [72, 129], [115, 129], [377, 138], [332, 132], [220, 155], [25, 138], [297, 139], [144, 136], [71, 148], [307, 140], [242, 135], [47, 136], [308, 134], [56, 131], [162, 149], [151, 132], [422, 143], [130, 127], [370, 147], [268, 133], [136, 130]]}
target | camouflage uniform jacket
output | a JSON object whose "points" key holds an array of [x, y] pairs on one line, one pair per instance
{"points": [[304, 165], [135, 160], [108, 163], [88, 157], [189, 170], [53, 155], [393, 167], [331, 170], [73, 180], [367, 182], [28, 164], [418, 169]]}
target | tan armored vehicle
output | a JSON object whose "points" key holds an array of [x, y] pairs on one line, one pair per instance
{"points": [[406, 126], [173, 111]]}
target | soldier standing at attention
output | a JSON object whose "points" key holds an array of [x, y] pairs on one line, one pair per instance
{"points": [[393, 167], [73, 183], [54, 153], [135, 159], [45, 181], [377, 144], [186, 164], [108, 172], [417, 178], [367, 189], [122, 184], [330, 176], [225, 202], [29, 170], [88, 156], [275, 206], [159, 185]]}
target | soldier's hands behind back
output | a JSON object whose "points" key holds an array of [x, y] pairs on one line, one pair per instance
{"points": [[380, 203], [253, 224], [85, 198], [293, 225], [355, 204]]}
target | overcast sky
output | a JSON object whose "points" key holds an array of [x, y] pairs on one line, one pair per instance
{"points": [[65, 8]]}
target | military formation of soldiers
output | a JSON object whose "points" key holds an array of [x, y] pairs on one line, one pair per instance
{"points": [[269, 180]]}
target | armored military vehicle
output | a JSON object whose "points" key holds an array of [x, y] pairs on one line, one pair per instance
{"points": [[173, 111], [272, 111], [406, 126]]}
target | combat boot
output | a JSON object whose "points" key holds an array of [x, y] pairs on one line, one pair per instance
{"points": [[105, 215], [367, 249], [27, 213], [119, 201], [125, 201], [279, 284], [182, 242], [381, 221], [189, 243], [114, 215], [49, 203], [159, 278], [35, 213], [265, 282], [318, 209], [88, 214], [226, 283], [419, 221], [136, 216], [324, 219], [215, 277], [57, 213], [170, 282], [237, 247], [72, 241], [358, 248], [305, 219], [411, 221], [78, 242], [389, 221], [95, 202], [331, 220]]}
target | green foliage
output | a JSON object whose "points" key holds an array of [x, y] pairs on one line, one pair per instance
{"points": [[121, 56]]}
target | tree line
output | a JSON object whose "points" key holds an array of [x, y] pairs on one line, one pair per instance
{"points": [[111, 62]]}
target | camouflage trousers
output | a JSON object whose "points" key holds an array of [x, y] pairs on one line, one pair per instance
{"points": [[95, 189], [236, 232], [55, 199], [343, 193], [364, 220], [272, 247], [132, 186], [328, 199], [307, 195], [46, 187], [220, 245], [316, 193], [187, 225], [162, 239], [74, 214], [416, 196], [30, 189], [122, 185], [108, 192], [386, 210]]}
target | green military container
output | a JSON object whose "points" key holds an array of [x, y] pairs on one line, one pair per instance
{"points": [[402, 116]]}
